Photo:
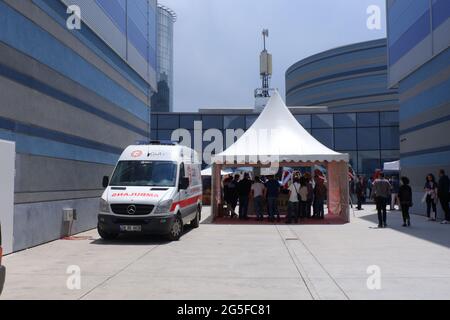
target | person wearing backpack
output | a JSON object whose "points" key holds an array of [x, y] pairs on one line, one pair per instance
{"points": [[293, 201]]}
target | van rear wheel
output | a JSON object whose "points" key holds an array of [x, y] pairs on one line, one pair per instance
{"points": [[176, 230]]}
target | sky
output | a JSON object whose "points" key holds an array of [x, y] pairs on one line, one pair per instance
{"points": [[218, 42]]}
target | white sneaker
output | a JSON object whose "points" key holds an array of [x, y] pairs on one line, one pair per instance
{"points": [[444, 222]]}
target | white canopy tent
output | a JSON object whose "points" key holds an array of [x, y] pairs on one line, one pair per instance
{"points": [[392, 166], [277, 139], [208, 172]]}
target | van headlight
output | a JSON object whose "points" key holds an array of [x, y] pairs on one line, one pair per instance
{"points": [[104, 206], [163, 207]]}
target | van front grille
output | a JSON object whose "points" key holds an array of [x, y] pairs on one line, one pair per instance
{"points": [[132, 209]]}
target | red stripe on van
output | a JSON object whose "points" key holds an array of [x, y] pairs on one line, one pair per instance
{"points": [[185, 203]]}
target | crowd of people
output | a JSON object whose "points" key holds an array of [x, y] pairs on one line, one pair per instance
{"points": [[306, 196], [386, 191]]}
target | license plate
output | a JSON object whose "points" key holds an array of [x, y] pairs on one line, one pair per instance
{"points": [[131, 228]]}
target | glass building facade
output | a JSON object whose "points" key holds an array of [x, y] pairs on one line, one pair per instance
{"points": [[163, 100], [419, 66], [352, 77], [71, 101], [129, 27], [371, 138]]}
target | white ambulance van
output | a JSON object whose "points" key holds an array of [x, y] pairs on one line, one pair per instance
{"points": [[156, 188]]}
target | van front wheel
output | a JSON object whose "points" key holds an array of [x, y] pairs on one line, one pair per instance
{"points": [[106, 235], [196, 222], [176, 230]]}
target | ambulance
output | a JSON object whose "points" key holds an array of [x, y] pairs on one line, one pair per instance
{"points": [[156, 188]]}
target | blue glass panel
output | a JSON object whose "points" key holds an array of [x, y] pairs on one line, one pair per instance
{"points": [[389, 118], [325, 136], [322, 120], [234, 122], [345, 120], [212, 122], [368, 119], [304, 120], [345, 139], [390, 138], [187, 121], [368, 138], [368, 162], [168, 121], [115, 10]]}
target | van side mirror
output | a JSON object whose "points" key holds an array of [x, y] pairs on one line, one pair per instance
{"points": [[184, 183], [105, 182]]}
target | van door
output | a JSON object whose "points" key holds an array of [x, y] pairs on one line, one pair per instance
{"points": [[182, 194]]}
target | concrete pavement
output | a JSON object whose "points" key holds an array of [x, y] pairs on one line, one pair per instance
{"points": [[245, 262]]}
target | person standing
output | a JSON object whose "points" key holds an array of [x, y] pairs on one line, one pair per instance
{"points": [[369, 187], [320, 193], [293, 201], [233, 195], [380, 191], [360, 190], [310, 196], [444, 194], [394, 192], [303, 193], [257, 191], [405, 199], [272, 193], [431, 190], [243, 189]]}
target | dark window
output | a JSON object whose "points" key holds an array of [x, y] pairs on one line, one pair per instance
{"points": [[390, 138], [168, 121], [234, 122], [368, 119], [304, 120], [368, 162], [165, 134], [187, 120], [345, 120], [325, 136], [368, 138], [322, 120], [212, 122], [249, 120], [154, 134], [345, 139], [153, 122], [389, 118]]}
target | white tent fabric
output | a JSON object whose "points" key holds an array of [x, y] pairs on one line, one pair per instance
{"points": [[208, 172], [276, 136], [392, 166]]}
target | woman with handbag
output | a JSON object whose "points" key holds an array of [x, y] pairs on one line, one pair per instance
{"points": [[405, 197]]}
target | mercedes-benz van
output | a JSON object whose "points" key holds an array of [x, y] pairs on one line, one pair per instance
{"points": [[156, 188]]}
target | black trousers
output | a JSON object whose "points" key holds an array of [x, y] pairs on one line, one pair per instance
{"points": [[445, 206], [431, 205], [381, 209], [405, 213]]}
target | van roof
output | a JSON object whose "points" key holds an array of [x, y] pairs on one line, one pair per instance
{"points": [[160, 152]]}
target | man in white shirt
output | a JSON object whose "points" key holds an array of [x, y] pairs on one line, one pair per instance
{"points": [[257, 191], [293, 201]]}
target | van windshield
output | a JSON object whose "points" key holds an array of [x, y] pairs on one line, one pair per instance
{"points": [[145, 173]]}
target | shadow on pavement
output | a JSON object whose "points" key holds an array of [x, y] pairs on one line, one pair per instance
{"points": [[145, 240], [420, 227]]}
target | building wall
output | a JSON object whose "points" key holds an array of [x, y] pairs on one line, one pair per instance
{"points": [[419, 55], [352, 77], [71, 103], [371, 138]]}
